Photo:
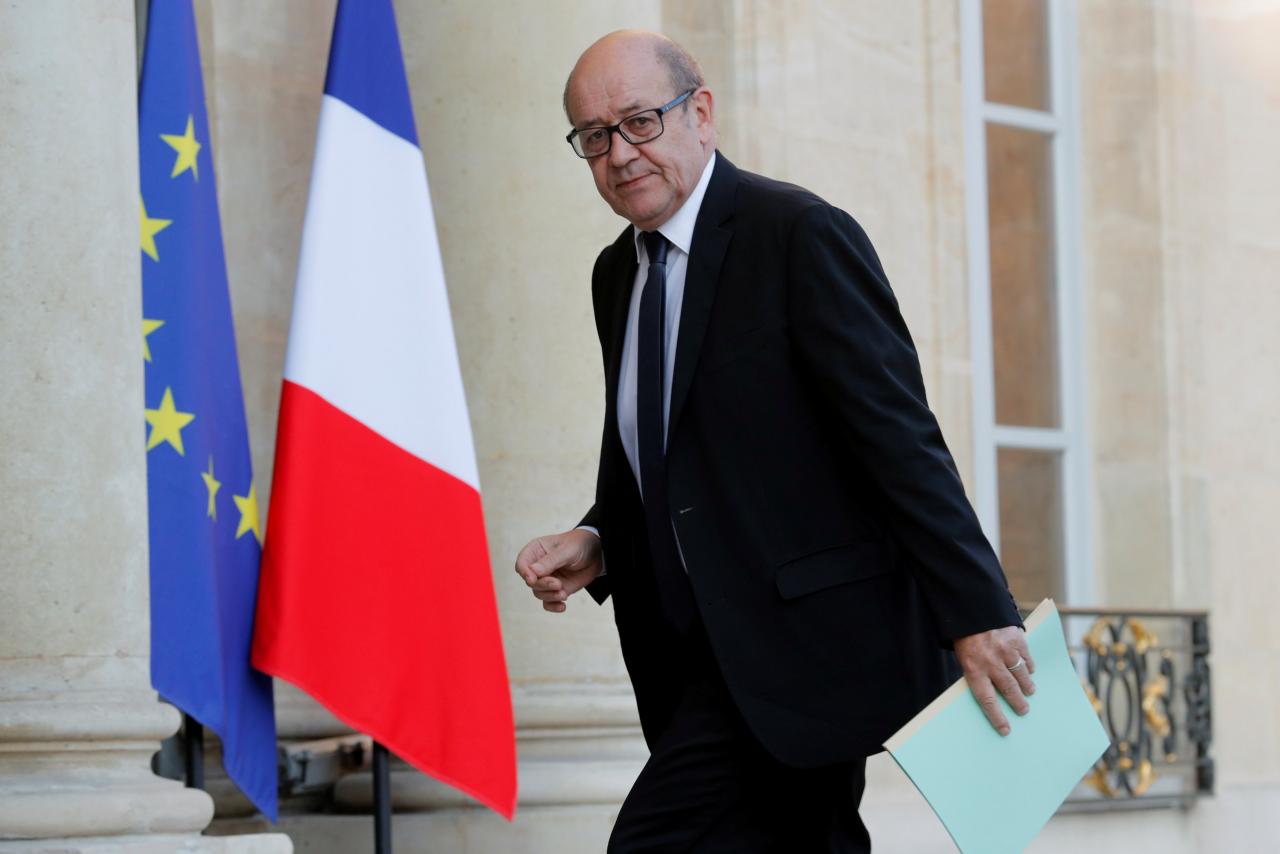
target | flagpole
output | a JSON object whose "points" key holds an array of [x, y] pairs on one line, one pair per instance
{"points": [[193, 751], [381, 799]]}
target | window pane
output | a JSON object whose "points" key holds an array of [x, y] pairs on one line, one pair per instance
{"points": [[1015, 52], [1031, 537], [1023, 310]]}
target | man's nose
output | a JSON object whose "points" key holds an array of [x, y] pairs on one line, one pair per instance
{"points": [[621, 152]]}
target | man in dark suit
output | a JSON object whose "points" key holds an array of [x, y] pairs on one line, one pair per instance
{"points": [[788, 545]]}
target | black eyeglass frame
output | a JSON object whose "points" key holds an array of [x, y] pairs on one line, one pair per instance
{"points": [[609, 129]]}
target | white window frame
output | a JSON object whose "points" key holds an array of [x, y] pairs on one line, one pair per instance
{"points": [[1071, 440]]}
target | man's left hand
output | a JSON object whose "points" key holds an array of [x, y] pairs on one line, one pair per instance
{"points": [[998, 661]]}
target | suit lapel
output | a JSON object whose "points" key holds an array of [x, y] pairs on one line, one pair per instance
{"points": [[621, 279], [711, 234]]}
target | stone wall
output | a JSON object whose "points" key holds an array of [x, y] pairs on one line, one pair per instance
{"points": [[861, 102]]}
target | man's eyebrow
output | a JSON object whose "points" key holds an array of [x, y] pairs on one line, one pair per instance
{"points": [[595, 122]]}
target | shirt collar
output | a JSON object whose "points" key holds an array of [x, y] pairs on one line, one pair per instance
{"points": [[679, 229]]}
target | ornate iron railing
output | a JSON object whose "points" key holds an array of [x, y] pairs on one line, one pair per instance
{"points": [[1147, 675]]}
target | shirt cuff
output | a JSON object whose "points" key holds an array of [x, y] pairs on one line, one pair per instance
{"points": [[604, 568]]}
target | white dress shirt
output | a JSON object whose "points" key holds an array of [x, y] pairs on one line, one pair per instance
{"points": [[679, 233]]}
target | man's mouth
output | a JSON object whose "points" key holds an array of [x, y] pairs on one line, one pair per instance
{"points": [[626, 185]]}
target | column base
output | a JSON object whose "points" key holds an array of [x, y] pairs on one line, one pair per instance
{"points": [[536, 830], [78, 764], [263, 843], [75, 776]]}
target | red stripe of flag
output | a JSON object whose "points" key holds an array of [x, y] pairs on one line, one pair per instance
{"points": [[376, 598]]}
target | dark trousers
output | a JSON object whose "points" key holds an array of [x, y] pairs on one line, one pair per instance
{"points": [[710, 787]]}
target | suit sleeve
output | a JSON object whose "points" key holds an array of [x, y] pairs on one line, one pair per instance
{"points": [[601, 586], [849, 334]]}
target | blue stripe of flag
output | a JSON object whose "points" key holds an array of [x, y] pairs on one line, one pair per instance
{"points": [[366, 70]]}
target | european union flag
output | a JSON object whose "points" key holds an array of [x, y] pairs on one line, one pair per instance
{"points": [[205, 533]]}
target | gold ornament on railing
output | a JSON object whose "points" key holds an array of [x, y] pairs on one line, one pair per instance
{"points": [[1118, 670]]}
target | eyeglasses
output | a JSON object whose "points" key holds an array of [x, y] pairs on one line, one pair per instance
{"points": [[637, 129]]}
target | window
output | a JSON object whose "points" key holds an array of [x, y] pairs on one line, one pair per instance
{"points": [[1021, 161]]}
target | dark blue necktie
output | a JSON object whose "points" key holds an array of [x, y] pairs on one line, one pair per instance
{"points": [[673, 584]]}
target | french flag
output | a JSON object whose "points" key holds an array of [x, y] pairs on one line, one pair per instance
{"points": [[376, 595]]}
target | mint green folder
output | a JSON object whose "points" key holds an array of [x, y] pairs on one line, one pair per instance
{"points": [[993, 793]]}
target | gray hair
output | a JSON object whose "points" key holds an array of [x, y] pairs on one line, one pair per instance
{"points": [[682, 70]]}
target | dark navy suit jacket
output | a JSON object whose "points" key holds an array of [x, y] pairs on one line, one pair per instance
{"points": [[831, 549]]}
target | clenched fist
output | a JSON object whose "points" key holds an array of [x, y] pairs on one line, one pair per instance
{"points": [[559, 565]]}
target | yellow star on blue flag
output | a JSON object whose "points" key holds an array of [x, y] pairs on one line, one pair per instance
{"points": [[204, 570], [188, 149]]}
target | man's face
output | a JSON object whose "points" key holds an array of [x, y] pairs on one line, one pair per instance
{"points": [[646, 184]]}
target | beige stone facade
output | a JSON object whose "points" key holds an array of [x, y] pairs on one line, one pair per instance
{"points": [[1179, 184]]}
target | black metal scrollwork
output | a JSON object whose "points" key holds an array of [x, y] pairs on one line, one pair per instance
{"points": [[1154, 700], [1117, 672], [1197, 694]]}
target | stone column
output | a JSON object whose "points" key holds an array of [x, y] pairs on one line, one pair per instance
{"points": [[78, 719]]}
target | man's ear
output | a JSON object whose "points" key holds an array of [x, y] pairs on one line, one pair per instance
{"points": [[704, 113]]}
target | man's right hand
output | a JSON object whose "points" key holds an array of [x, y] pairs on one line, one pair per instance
{"points": [[557, 566]]}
